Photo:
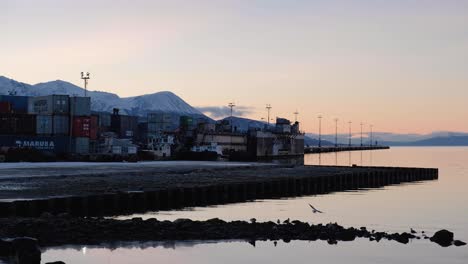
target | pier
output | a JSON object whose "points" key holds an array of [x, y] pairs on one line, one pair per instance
{"points": [[142, 190], [316, 149]]}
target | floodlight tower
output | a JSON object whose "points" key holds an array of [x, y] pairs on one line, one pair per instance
{"points": [[268, 107], [85, 78]]}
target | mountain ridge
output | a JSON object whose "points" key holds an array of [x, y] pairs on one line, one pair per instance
{"points": [[163, 101]]}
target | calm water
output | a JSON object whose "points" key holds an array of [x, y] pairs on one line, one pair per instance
{"points": [[427, 206]]}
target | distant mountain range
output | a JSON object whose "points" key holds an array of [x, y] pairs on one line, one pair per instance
{"points": [[435, 141], [103, 101], [244, 124], [168, 102], [441, 138]]}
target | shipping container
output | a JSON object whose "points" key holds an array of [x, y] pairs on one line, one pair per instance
{"points": [[104, 120], [17, 124], [5, 107], [50, 104], [93, 127], [132, 150], [81, 126], [52, 125], [19, 104], [159, 118], [186, 122], [61, 125], [81, 145], [159, 127], [116, 150], [44, 125], [56, 144], [125, 126], [80, 106]]}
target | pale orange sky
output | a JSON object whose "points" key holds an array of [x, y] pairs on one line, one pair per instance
{"points": [[400, 65]]}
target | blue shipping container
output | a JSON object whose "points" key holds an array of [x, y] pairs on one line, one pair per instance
{"points": [[19, 104], [57, 144]]}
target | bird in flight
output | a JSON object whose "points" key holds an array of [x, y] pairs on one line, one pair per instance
{"points": [[314, 210]]}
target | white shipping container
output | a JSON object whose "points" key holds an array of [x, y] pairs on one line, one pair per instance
{"points": [[116, 149], [132, 150], [50, 104]]}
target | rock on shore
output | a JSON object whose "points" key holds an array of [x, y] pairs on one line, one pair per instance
{"points": [[23, 250], [59, 230]]}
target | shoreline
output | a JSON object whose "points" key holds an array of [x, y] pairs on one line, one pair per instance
{"points": [[62, 230]]}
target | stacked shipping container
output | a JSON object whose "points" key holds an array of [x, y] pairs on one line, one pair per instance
{"points": [[48, 118], [17, 124], [18, 104], [52, 114], [80, 109], [124, 126]]}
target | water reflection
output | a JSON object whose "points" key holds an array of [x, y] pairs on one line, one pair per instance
{"points": [[233, 252], [391, 208]]}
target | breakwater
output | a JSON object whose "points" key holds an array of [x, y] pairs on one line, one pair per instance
{"points": [[201, 188], [309, 150]]}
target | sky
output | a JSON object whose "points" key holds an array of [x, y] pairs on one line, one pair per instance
{"points": [[399, 65]]}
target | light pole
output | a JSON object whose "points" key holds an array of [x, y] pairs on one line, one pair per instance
{"points": [[320, 131], [231, 105], [361, 132], [85, 78], [336, 132], [371, 135], [268, 107], [295, 116], [349, 142]]}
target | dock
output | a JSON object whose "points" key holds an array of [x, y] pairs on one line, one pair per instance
{"points": [[104, 191], [327, 149]]}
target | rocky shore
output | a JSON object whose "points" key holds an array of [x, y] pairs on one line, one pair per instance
{"points": [[61, 230]]}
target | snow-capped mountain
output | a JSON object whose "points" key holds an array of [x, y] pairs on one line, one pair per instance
{"points": [[103, 101]]}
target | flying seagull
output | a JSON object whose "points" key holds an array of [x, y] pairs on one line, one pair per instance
{"points": [[314, 210]]}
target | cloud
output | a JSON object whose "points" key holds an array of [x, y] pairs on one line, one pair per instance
{"points": [[224, 111]]}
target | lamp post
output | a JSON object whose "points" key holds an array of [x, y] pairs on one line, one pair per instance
{"points": [[320, 131], [231, 105], [371, 135], [349, 139], [268, 107], [295, 115], [336, 132], [361, 132]]}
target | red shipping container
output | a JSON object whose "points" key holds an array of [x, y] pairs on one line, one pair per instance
{"points": [[5, 107], [81, 126], [93, 129]]}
